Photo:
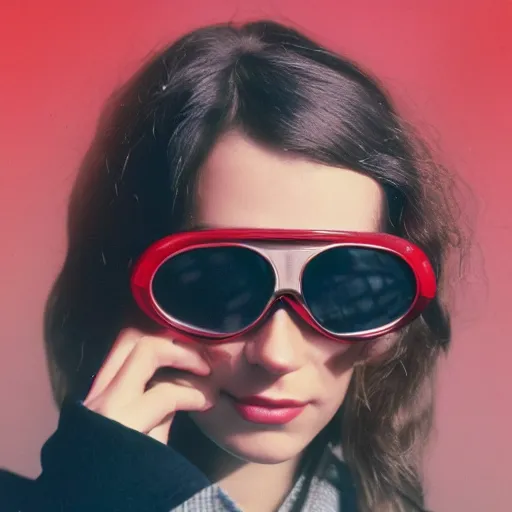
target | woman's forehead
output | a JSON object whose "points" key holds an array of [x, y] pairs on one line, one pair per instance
{"points": [[242, 184]]}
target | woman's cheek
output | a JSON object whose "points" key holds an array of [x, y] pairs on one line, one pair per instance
{"points": [[222, 360], [378, 349], [338, 358]]}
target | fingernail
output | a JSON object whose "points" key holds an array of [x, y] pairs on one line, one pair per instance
{"points": [[208, 406]]}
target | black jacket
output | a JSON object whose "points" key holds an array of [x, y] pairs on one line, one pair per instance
{"points": [[94, 464]]}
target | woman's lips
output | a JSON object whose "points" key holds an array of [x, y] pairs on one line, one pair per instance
{"points": [[257, 409]]}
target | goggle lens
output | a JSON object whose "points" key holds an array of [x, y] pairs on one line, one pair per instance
{"points": [[219, 290], [355, 289]]}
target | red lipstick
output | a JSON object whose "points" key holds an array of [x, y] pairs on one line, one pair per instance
{"points": [[258, 409]]}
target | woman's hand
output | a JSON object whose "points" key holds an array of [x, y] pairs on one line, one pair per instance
{"points": [[136, 385]]}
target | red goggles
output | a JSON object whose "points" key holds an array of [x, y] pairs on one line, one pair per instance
{"points": [[214, 285]]}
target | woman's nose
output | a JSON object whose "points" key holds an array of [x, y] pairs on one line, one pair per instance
{"points": [[278, 345]]}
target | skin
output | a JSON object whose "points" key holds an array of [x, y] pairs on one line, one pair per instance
{"points": [[243, 184]]}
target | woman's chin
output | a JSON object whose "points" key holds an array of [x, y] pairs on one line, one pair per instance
{"points": [[257, 443], [259, 448]]}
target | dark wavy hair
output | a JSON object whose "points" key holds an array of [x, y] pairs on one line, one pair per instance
{"points": [[136, 185]]}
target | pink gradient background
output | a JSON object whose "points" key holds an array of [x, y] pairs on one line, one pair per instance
{"points": [[448, 64]]}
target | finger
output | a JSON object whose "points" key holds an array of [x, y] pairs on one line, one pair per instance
{"points": [[180, 377], [161, 432], [117, 356], [149, 355], [159, 404]]}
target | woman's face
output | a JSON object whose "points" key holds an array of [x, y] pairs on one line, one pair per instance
{"points": [[244, 185]]}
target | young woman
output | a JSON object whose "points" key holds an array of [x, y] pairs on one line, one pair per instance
{"points": [[252, 306]]}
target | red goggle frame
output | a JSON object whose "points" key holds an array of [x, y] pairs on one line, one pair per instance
{"points": [[289, 252]]}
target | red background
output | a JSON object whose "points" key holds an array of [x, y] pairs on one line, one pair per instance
{"points": [[448, 64]]}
